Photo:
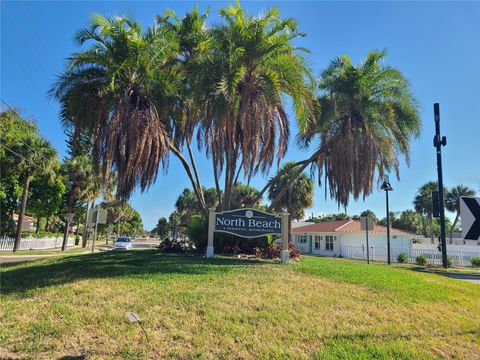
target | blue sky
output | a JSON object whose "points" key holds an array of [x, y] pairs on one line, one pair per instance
{"points": [[436, 45]]}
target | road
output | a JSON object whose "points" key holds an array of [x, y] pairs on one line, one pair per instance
{"points": [[140, 243]]}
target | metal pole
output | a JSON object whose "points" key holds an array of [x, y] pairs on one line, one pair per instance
{"points": [[388, 230], [368, 247], [438, 142]]}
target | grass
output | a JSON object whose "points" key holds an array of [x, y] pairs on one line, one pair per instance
{"points": [[191, 307]]}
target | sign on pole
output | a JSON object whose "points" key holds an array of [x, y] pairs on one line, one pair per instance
{"points": [[248, 223], [366, 223], [470, 215]]}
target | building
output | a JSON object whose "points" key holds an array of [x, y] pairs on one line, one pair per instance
{"points": [[28, 222], [345, 238]]}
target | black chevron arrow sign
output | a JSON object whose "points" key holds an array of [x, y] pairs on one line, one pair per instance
{"points": [[470, 218]]}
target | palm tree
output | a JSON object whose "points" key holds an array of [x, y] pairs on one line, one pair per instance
{"points": [[252, 67], [79, 172], [298, 197], [125, 88], [38, 157], [423, 203], [452, 202], [366, 118]]}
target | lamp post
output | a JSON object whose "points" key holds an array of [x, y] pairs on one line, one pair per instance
{"points": [[387, 187]]}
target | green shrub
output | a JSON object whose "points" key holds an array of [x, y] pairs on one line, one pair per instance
{"points": [[449, 261], [475, 261], [421, 260], [402, 258], [197, 231]]}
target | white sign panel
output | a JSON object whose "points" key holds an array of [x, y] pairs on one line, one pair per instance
{"points": [[470, 215], [366, 223]]}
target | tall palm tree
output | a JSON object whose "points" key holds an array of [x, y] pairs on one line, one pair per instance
{"points": [[38, 157], [297, 198], [252, 68], [452, 202], [366, 119], [79, 172], [423, 203]]}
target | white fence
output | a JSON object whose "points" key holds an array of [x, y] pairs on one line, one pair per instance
{"points": [[6, 243], [460, 254]]}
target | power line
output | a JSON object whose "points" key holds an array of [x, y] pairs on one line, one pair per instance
{"points": [[21, 142], [25, 71], [12, 19], [23, 157], [44, 44]]}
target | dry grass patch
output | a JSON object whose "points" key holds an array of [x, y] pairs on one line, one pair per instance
{"points": [[224, 308]]}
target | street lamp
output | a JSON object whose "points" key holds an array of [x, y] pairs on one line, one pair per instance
{"points": [[387, 187]]}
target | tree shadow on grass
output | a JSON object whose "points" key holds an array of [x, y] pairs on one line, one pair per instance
{"points": [[111, 264]]}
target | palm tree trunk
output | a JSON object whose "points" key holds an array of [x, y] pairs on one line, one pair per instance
{"points": [[85, 234], [453, 227], [197, 177], [303, 163], [67, 220], [38, 225], [217, 184], [46, 223], [185, 164], [21, 214]]}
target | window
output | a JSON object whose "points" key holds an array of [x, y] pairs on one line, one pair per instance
{"points": [[329, 242], [302, 239], [318, 240]]}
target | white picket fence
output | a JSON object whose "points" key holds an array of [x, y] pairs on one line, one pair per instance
{"points": [[460, 257], [6, 243]]}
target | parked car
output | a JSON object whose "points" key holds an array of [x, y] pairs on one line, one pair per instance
{"points": [[123, 243]]}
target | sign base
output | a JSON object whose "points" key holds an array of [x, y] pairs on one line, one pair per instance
{"points": [[209, 251], [284, 256]]}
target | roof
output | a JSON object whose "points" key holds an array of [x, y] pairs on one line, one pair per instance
{"points": [[25, 217], [346, 226], [296, 224]]}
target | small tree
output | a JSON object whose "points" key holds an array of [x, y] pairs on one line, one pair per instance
{"points": [[452, 203], [162, 228], [38, 158], [296, 198]]}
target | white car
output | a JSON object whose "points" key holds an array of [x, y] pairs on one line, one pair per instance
{"points": [[123, 243]]}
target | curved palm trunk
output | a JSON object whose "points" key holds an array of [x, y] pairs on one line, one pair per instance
{"points": [[198, 192], [303, 163], [21, 214], [85, 233], [197, 177], [453, 227]]}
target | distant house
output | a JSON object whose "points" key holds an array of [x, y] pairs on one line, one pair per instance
{"points": [[28, 222], [341, 237]]}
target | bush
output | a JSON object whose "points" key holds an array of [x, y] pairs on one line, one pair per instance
{"points": [[475, 261], [197, 231], [293, 252], [421, 260], [273, 251], [402, 258], [449, 261], [174, 245]]}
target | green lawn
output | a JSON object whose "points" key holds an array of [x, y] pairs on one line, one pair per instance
{"points": [[318, 308]]}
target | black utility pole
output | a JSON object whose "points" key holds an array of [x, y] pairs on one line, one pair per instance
{"points": [[438, 142], [387, 187]]}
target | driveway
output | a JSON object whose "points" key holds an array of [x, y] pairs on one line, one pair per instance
{"points": [[473, 278]]}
